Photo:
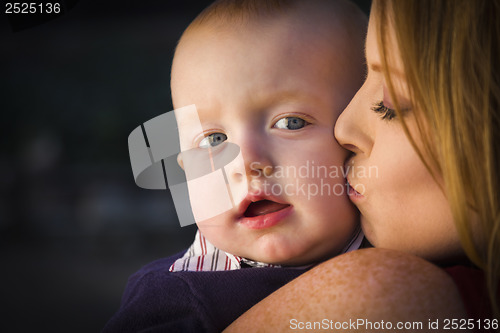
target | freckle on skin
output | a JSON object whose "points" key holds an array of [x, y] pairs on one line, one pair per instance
{"points": [[373, 284]]}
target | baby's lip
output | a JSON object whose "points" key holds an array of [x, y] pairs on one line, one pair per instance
{"points": [[252, 198], [264, 208]]}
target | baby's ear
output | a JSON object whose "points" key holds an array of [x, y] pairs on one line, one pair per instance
{"points": [[179, 161]]}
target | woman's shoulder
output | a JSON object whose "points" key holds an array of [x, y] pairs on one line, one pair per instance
{"points": [[359, 288], [382, 283]]}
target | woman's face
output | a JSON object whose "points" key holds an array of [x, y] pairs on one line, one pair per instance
{"points": [[401, 204]]}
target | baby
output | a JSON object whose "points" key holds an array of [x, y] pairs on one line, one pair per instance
{"points": [[268, 80]]}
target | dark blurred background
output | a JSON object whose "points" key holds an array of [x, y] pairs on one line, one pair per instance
{"points": [[73, 225]]}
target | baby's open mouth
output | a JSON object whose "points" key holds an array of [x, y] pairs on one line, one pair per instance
{"points": [[263, 207]]}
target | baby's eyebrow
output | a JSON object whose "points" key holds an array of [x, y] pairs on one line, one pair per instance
{"points": [[185, 120], [288, 96]]}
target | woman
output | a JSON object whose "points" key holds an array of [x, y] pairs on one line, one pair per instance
{"points": [[428, 118]]}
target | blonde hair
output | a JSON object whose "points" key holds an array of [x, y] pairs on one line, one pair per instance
{"points": [[451, 56]]}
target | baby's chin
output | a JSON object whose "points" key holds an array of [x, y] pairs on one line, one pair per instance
{"points": [[272, 248], [292, 259]]}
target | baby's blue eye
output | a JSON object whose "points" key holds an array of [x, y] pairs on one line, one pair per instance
{"points": [[290, 123], [212, 140]]}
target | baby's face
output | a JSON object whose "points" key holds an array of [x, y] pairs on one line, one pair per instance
{"points": [[276, 94]]}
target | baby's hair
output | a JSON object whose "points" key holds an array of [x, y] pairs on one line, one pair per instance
{"points": [[236, 13], [339, 24], [224, 12]]}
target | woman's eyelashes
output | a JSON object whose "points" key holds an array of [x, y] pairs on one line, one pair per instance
{"points": [[387, 113], [384, 111], [290, 123], [212, 140]]}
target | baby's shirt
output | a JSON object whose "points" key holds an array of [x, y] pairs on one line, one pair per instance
{"points": [[201, 290], [203, 256], [157, 300]]}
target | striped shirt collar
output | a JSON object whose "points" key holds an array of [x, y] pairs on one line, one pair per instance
{"points": [[202, 256]]}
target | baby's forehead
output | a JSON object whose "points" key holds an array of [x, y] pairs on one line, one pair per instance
{"points": [[327, 40], [298, 45], [319, 20], [302, 47]]}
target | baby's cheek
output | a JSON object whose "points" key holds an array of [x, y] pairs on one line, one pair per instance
{"points": [[217, 230], [209, 196], [339, 154]]}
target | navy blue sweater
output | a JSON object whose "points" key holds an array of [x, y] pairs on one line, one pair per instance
{"points": [[156, 300]]}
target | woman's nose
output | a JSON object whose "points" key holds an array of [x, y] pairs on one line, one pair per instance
{"points": [[353, 129]]}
